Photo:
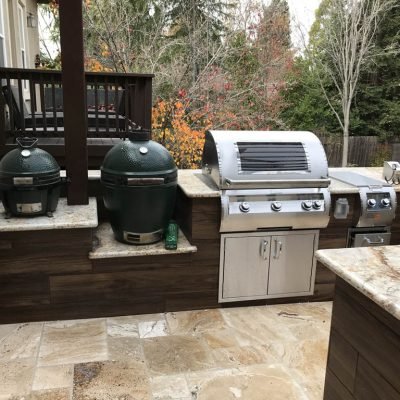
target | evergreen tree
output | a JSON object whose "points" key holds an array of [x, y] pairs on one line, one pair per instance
{"points": [[305, 106], [378, 101]]}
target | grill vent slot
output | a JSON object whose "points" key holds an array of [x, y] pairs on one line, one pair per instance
{"points": [[280, 156]]}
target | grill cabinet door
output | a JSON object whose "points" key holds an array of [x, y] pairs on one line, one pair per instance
{"points": [[291, 264], [245, 267]]}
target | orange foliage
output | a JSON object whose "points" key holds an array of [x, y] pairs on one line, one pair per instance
{"points": [[180, 130], [93, 65]]}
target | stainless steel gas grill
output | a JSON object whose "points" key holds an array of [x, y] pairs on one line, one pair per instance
{"points": [[274, 195], [378, 210]]}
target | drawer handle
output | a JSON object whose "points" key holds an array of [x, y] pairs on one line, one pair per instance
{"points": [[370, 242]]}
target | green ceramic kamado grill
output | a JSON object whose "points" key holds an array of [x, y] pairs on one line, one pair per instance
{"points": [[139, 178], [29, 180]]}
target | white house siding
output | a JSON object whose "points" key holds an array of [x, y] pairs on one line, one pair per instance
{"points": [[12, 33]]}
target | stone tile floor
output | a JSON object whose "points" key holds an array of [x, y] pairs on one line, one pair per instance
{"points": [[249, 353]]}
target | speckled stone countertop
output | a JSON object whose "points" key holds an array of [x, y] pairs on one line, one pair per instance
{"points": [[65, 217], [194, 184], [108, 247], [374, 271]]}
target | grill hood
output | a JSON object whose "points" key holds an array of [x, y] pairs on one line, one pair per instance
{"points": [[264, 159]]}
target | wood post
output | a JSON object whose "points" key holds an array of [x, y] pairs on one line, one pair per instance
{"points": [[74, 94]]}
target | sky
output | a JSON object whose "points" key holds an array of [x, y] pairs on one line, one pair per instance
{"points": [[303, 15]]}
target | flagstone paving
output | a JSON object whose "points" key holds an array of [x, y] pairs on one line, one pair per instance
{"points": [[248, 353]]}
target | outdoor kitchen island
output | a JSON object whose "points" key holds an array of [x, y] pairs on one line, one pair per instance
{"points": [[364, 346], [198, 213], [71, 267]]}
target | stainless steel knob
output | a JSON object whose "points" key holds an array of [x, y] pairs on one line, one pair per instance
{"points": [[276, 206], [307, 205], [244, 207], [371, 202], [385, 202], [317, 204]]}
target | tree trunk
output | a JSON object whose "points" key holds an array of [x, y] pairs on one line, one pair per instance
{"points": [[345, 152]]}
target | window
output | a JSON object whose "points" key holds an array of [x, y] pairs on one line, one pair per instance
{"points": [[21, 24], [3, 58]]}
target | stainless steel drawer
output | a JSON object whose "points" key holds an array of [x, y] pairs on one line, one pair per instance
{"points": [[371, 239]]}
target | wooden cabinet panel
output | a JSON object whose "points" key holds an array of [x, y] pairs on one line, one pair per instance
{"points": [[23, 290], [50, 252], [370, 385], [364, 349], [343, 360], [379, 345], [206, 218], [334, 389]]}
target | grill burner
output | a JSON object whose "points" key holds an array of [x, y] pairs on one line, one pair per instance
{"points": [[378, 207], [378, 198]]}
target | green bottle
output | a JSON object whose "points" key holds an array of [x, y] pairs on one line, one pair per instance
{"points": [[171, 236]]}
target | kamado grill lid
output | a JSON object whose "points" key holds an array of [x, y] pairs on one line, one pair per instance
{"points": [[137, 158], [28, 165]]}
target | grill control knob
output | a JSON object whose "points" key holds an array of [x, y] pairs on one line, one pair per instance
{"points": [[276, 206], [307, 205], [244, 207], [371, 203], [317, 204], [385, 202]]}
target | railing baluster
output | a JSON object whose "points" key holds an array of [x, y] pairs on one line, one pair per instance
{"points": [[96, 107], [53, 104], [21, 103], [11, 107], [106, 105], [33, 102], [126, 88], [116, 107], [43, 105]]}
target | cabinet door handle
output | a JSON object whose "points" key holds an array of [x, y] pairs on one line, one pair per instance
{"points": [[370, 242], [278, 249], [264, 245]]}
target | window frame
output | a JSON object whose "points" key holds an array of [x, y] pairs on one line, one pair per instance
{"points": [[3, 32]]}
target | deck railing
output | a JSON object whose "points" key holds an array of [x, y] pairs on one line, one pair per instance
{"points": [[31, 104]]}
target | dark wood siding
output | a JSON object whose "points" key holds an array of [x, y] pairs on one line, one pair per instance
{"points": [[364, 349]]}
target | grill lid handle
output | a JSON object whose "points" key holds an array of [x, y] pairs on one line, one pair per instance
{"points": [[274, 183], [144, 181]]}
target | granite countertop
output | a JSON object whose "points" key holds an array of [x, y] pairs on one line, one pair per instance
{"points": [[194, 184], [108, 247], [65, 217], [374, 271]]}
